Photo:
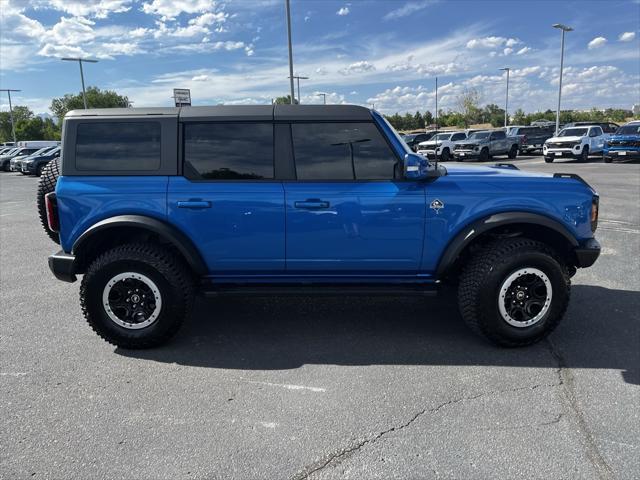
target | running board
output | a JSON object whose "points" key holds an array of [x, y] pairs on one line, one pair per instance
{"points": [[333, 290]]}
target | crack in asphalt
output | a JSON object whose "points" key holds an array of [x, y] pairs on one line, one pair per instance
{"points": [[337, 455], [567, 383]]}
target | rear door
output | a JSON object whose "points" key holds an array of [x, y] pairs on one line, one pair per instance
{"points": [[349, 211], [227, 200]]}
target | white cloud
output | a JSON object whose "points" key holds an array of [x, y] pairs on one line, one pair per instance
{"points": [[72, 31], [209, 18], [357, 67], [409, 8], [597, 43], [50, 50], [627, 36], [321, 71], [343, 11], [507, 51], [170, 9], [492, 42], [90, 8], [523, 50]]}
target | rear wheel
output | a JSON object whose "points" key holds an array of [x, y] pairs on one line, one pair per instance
{"points": [[514, 292], [513, 153], [548, 159], [136, 295], [48, 180]]}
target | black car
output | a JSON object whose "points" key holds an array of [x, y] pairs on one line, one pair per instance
{"points": [[413, 139], [533, 137], [35, 164]]}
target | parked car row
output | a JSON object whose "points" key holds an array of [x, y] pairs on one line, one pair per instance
{"points": [[577, 140], [29, 157]]}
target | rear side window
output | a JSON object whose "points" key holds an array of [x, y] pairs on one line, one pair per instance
{"points": [[228, 151], [342, 151], [118, 146]]}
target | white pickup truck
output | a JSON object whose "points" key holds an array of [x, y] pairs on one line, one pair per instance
{"points": [[441, 146], [575, 142]]}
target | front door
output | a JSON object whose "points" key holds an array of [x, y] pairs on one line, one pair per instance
{"points": [[349, 212], [227, 200]]}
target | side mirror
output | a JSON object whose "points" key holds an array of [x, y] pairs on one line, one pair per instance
{"points": [[415, 167]]}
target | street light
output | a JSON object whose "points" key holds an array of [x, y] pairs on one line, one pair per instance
{"points": [[298, 78], [13, 128], [324, 97], [80, 60], [288, 8], [506, 103], [564, 29]]}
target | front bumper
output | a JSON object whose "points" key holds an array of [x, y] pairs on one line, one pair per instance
{"points": [[63, 266], [622, 154], [561, 152], [587, 253], [464, 154]]}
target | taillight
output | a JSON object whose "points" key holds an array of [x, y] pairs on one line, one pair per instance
{"points": [[594, 212], [51, 206], [525, 139]]}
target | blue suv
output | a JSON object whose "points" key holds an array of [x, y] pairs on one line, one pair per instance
{"points": [[624, 144], [153, 206]]}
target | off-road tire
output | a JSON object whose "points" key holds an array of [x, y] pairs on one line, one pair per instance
{"points": [[584, 155], [513, 153], [47, 184], [167, 270], [484, 155], [482, 277], [445, 156], [548, 159]]}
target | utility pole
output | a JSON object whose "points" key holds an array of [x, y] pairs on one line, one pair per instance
{"points": [[324, 97], [506, 103], [298, 78], [80, 60], [564, 29], [13, 127], [436, 104], [288, 7]]}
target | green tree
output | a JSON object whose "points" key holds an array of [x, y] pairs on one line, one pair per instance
{"points": [[468, 103], [96, 98], [428, 118], [493, 114], [520, 118], [285, 100], [20, 113], [418, 120]]}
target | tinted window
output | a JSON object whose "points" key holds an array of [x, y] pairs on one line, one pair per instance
{"points": [[335, 151], [118, 146], [228, 151], [499, 135], [458, 136], [479, 135]]}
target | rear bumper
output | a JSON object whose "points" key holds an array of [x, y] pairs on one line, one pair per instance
{"points": [[62, 265], [587, 253]]}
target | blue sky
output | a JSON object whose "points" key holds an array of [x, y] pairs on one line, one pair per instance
{"points": [[382, 52]]}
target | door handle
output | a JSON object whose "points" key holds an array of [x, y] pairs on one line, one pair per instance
{"points": [[194, 204], [312, 204]]}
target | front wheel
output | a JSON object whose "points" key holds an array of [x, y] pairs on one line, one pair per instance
{"points": [[607, 159], [136, 295], [444, 156], [484, 155], [514, 292], [548, 159], [584, 156]]}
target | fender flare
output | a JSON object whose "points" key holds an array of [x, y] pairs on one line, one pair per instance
{"points": [[164, 230], [477, 228]]}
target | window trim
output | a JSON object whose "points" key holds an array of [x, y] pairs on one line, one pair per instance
{"points": [[182, 155]]}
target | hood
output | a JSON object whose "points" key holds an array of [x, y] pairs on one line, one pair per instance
{"points": [[472, 141], [565, 139], [428, 143], [625, 138], [490, 172]]}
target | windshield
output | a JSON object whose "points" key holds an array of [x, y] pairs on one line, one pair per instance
{"points": [[479, 135], [408, 138], [629, 130], [9, 152], [41, 151], [573, 132], [442, 136]]}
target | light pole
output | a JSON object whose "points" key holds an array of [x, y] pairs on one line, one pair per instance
{"points": [[324, 97], [298, 78], [13, 128], [288, 8], [80, 60], [564, 29], [506, 102], [436, 104]]}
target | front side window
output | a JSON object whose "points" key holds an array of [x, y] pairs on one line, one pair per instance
{"points": [[342, 151], [117, 146], [228, 151], [498, 135], [458, 136]]}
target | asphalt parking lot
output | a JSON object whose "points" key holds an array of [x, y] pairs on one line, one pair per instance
{"points": [[323, 387]]}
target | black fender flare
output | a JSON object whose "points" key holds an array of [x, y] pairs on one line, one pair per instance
{"points": [[477, 228], [164, 230]]}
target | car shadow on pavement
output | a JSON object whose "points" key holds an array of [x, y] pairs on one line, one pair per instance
{"points": [[601, 330]]}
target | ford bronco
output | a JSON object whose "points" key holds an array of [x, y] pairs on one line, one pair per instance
{"points": [[155, 205]]}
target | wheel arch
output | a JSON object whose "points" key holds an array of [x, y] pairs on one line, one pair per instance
{"points": [[532, 225], [121, 229]]}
